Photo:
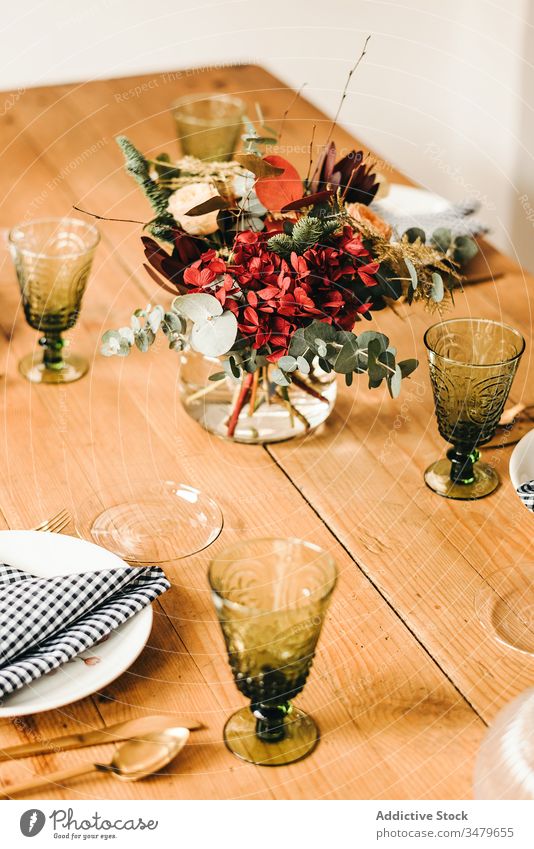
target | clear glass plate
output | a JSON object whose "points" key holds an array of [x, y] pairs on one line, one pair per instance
{"points": [[505, 606], [150, 521]]}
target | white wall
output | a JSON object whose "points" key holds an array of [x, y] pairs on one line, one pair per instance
{"points": [[444, 93]]}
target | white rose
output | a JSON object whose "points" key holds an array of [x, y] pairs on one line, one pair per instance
{"points": [[186, 198]]}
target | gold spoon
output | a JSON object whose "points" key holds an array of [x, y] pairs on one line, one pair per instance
{"points": [[132, 761]]}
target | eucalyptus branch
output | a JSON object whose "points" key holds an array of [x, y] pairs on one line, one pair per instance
{"points": [[364, 353]]}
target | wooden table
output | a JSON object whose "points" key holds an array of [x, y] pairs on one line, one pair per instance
{"points": [[405, 680]]}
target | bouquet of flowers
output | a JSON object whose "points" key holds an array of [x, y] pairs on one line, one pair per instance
{"points": [[273, 273]]}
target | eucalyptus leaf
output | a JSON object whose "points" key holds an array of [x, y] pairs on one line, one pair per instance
{"points": [[219, 375], [319, 330], [127, 334], [412, 272], [260, 139], [438, 292], [465, 249], [348, 358], [234, 368], [114, 345], [258, 166], [368, 336], [154, 318], [144, 339], [374, 368], [174, 323], [408, 366], [287, 363], [414, 233], [280, 378], [441, 239], [394, 383], [387, 359], [198, 307], [303, 365], [215, 337]]}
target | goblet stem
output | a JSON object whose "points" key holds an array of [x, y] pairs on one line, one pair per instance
{"points": [[53, 346], [462, 462], [270, 727]]}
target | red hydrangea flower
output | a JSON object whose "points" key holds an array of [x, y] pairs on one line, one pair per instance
{"points": [[272, 296]]}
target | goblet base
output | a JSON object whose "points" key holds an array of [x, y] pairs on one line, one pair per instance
{"points": [[70, 369], [301, 738], [485, 481]]}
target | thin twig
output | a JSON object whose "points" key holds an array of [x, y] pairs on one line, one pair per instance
{"points": [[105, 218], [288, 110], [343, 97], [311, 155], [345, 90]]}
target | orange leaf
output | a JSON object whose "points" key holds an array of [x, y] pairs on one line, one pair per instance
{"points": [[276, 192]]}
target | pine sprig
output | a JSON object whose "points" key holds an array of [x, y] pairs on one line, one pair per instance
{"points": [[281, 244], [138, 167], [306, 233]]}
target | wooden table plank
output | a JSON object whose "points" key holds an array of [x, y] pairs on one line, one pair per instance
{"points": [[394, 721]]}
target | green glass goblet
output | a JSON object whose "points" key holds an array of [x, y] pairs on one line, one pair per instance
{"points": [[271, 597], [208, 126], [472, 365], [53, 258]]}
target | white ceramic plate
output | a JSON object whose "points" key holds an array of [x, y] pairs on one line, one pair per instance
{"points": [[522, 460], [57, 554], [408, 201]]}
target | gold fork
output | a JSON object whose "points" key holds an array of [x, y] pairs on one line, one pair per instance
{"points": [[55, 524]]}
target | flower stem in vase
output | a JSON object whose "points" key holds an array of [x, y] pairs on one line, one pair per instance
{"points": [[285, 395], [254, 392], [296, 413], [266, 386], [309, 389], [240, 403]]}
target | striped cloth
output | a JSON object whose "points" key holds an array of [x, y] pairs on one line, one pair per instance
{"points": [[526, 494], [45, 622]]}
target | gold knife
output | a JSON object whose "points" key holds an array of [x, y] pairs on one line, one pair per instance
{"points": [[130, 729]]}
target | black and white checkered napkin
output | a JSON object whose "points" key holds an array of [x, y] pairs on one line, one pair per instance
{"points": [[526, 494], [45, 622]]}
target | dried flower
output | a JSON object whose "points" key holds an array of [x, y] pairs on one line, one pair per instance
{"points": [[186, 198]]}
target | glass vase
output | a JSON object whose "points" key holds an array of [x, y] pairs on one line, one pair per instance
{"points": [[271, 598], [253, 408]]}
